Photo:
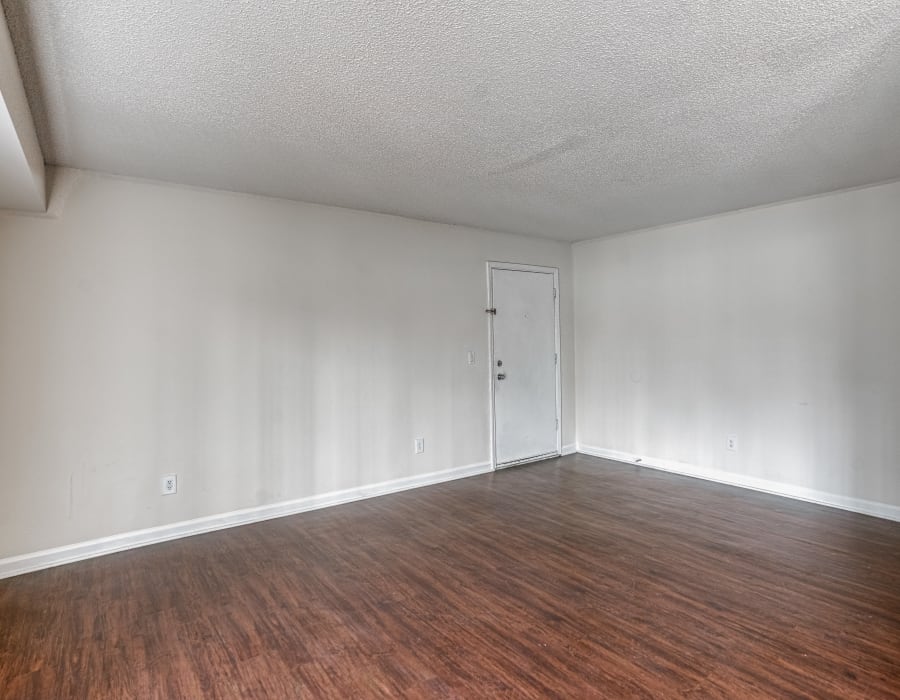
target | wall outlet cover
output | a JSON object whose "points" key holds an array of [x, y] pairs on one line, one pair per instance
{"points": [[169, 484], [419, 445], [731, 443]]}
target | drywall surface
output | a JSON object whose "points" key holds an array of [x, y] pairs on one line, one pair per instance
{"points": [[778, 325], [21, 161], [570, 119], [263, 350]]}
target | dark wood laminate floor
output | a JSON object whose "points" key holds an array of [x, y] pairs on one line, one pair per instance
{"points": [[574, 577]]}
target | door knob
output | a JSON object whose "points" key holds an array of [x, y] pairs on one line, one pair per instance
{"points": [[501, 376]]}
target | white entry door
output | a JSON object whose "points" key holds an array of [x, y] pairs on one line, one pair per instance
{"points": [[524, 362]]}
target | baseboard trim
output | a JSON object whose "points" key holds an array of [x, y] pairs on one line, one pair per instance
{"points": [[778, 488], [25, 563], [569, 449]]}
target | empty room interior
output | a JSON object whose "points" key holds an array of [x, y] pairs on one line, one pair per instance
{"points": [[449, 349]]}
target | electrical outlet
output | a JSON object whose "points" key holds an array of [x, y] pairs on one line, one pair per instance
{"points": [[169, 484], [731, 443], [419, 446], [470, 357]]}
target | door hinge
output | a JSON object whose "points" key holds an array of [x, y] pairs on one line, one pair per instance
{"points": [[554, 292], [493, 312], [557, 423], [556, 358]]}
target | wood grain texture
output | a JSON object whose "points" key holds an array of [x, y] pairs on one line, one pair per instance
{"points": [[574, 577]]}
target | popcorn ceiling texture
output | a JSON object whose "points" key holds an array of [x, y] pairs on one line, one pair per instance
{"points": [[568, 119]]}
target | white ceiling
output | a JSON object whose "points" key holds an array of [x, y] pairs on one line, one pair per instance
{"points": [[569, 119]]}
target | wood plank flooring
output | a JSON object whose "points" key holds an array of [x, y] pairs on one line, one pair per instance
{"points": [[574, 578]]}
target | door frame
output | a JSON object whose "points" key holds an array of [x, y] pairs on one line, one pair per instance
{"points": [[519, 267]]}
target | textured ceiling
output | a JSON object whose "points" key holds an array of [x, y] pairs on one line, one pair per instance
{"points": [[569, 119]]}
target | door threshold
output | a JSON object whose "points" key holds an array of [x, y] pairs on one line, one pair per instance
{"points": [[528, 460]]}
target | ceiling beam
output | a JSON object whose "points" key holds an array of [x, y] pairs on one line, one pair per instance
{"points": [[21, 162]]}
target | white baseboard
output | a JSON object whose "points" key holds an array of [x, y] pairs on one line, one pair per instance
{"points": [[569, 449], [24, 563], [801, 493]]}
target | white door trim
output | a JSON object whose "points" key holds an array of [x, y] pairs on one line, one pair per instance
{"points": [[491, 266]]}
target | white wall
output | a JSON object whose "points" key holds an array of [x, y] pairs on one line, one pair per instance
{"points": [[264, 350], [267, 350], [21, 160], [780, 325]]}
